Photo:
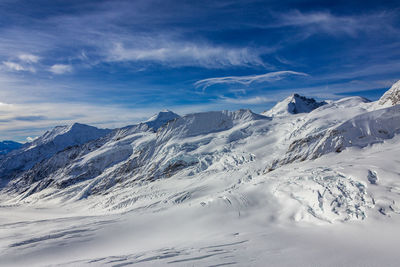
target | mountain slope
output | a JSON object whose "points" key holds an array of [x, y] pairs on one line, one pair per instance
{"points": [[7, 146], [213, 189], [160, 119], [211, 159], [362, 130], [46, 146], [293, 104], [138, 154], [392, 96]]}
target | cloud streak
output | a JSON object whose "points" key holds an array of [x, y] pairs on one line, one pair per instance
{"points": [[326, 22], [13, 66], [60, 68], [247, 101], [148, 54], [247, 80], [29, 58], [176, 53]]}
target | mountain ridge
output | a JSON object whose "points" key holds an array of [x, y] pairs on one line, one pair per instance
{"points": [[294, 104], [392, 96], [171, 159]]}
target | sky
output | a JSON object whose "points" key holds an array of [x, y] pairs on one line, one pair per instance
{"points": [[116, 63]]}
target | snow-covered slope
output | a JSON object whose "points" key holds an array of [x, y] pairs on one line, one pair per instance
{"points": [[44, 147], [294, 104], [161, 118], [362, 130], [136, 153], [117, 170], [7, 146], [392, 96], [63, 136], [211, 188]]}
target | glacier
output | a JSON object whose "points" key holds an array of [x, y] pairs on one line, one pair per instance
{"points": [[305, 183]]}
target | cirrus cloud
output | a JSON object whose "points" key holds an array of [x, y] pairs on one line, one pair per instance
{"points": [[247, 80], [177, 53]]}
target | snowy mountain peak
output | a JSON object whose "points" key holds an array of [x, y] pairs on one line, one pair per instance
{"points": [[392, 96], [47, 145], [209, 122], [75, 133], [245, 115], [161, 118], [294, 104]]}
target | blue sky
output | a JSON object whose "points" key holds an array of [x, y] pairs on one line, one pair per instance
{"points": [[114, 63]]}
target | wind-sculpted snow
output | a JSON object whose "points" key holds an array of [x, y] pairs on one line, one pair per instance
{"points": [[362, 130]]}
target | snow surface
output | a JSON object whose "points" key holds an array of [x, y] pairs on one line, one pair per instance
{"points": [[44, 147], [161, 118], [7, 146], [320, 187], [392, 96]]}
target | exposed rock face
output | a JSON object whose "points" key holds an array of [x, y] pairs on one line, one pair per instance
{"points": [[294, 104], [392, 96]]}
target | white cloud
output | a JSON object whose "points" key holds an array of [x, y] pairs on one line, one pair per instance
{"points": [[246, 80], [28, 58], [13, 66], [326, 22], [178, 53], [4, 105], [60, 68], [250, 100]]}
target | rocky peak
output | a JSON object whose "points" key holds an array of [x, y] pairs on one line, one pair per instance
{"points": [[392, 96], [294, 104]]}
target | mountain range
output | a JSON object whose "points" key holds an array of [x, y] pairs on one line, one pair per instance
{"points": [[302, 161]]}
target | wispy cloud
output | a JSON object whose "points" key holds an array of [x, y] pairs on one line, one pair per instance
{"points": [[24, 62], [60, 68], [110, 40], [326, 22], [126, 31], [176, 53], [29, 58], [30, 118], [247, 80], [13, 66], [248, 101]]}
